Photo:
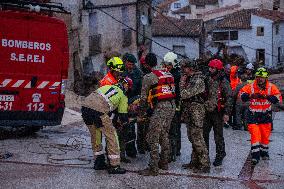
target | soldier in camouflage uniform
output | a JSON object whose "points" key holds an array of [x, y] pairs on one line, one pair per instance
{"points": [[192, 91], [219, 106], [241, 108], [161, 113]]}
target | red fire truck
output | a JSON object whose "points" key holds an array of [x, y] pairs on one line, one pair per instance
{"points": [[34, 59]]}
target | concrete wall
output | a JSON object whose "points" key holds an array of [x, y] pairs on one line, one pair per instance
{"points": [[278, 41], [249, 41], [191, 46], [281, 6], [267, 4], [248, 3], [223, 3], [110, 30], [195, 11]]}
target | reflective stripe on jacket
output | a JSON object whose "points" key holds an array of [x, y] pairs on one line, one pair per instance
{"points": [[108, 80], [165, 89], [261, 104]]}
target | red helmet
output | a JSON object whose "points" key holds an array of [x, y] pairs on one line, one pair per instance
{"points": [[129, 81], [216, 63]]}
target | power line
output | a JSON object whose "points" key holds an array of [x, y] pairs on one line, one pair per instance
{"points": [[203, 45], [139, 32], [193, 38], [252, 48]]}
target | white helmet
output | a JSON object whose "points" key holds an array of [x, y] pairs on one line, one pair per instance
{"points": [[171, 57], [250, 66]]}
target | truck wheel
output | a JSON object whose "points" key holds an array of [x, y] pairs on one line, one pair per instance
{"points": [[14, 132]]}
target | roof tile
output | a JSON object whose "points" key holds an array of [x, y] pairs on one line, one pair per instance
{"points": [[163, 27]]}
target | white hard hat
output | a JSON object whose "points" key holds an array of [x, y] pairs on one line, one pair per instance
{"points": [[171, 57], [250, 66]]}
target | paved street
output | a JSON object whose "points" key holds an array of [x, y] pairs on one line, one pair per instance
{"points": [[61, 157]]}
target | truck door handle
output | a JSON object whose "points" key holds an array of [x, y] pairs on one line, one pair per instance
{"points": [[33, 81]]}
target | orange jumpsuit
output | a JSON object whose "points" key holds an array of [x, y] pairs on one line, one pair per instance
{"points": [[260, 115]]}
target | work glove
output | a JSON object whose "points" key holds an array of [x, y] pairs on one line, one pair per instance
{"points": [[273, 99]]}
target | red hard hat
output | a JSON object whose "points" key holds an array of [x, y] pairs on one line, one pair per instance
{"points": [[216, 63]]}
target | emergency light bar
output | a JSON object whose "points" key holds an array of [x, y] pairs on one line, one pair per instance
{"points": [[34, 6]]}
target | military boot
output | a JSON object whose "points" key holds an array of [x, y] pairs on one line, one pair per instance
{"points": [[190, 165], [201, 170], [163, 165], [149, 172], [100, 163], [116, 170]]}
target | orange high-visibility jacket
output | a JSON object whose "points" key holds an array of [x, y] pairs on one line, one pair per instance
{"points": [[108, 80], [234, 80], [262, 104]]}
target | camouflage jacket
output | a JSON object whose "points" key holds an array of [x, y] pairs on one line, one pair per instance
{"points": [[192, 93], [193, 87], [226, 95], [148, 81]]}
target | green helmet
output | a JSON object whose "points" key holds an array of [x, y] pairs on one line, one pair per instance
{"points": [[261, 72], [116, 64]]}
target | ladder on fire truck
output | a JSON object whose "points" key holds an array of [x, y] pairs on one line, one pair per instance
{"points": [[37, 6]]}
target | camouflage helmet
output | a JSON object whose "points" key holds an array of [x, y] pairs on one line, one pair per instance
{"points": [[188, 63]]}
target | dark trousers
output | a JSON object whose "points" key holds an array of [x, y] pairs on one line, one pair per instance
{"points": [[130, 137], [175, 133], [215, 120], [142, 129]]}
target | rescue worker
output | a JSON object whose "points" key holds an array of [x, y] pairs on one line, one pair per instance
{"points": [[97, 113], [116, 67], [261, 94], [250, 72], [192, 91], [135, 74], [218, 106], [170, 63], [234, 77], [240, 107], [159, 93]]}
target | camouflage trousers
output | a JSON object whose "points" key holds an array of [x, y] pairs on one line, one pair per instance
{"points": [[158, 133], [194, 115], [142, 128], [214, 120], [240, 116]]}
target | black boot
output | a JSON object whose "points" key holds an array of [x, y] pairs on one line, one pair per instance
{"points": [[116, 170], [264, 155], [218, 160], [100, 163]]}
